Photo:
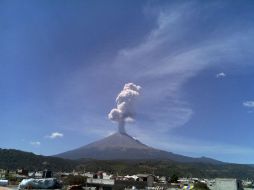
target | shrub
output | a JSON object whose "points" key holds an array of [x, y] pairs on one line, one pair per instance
{"points": [[74, 180], [200, 186]]}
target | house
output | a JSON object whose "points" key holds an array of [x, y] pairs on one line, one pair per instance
{"points": [[147, 178], [2, 173], [38, 174], [22, 172], [100, 181], [88, 174], [163, 179]]}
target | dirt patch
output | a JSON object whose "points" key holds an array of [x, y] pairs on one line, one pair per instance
{"points": [[4, 188]]}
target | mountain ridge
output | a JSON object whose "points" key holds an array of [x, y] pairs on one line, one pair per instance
{"points": [[124, 147]]}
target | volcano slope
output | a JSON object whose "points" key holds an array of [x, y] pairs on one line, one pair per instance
{"points": [[121, 146]]}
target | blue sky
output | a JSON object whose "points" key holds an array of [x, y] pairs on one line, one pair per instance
{"points": [[64, 62]]}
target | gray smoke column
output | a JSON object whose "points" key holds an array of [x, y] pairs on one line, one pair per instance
{"points": [[124, 110]]}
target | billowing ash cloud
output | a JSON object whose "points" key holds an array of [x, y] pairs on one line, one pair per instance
{"points": [[124, 111]]}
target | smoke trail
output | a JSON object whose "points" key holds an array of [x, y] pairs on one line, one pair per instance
{"points": [[124, 110]]}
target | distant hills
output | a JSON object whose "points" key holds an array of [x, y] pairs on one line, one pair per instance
{"points": [[13, 159], [122, 146]]}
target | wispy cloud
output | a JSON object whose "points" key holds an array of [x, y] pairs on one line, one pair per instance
{"points": [[168, 58], [221, 75], [55, 135], [35, 143], [248, 104], [176, 50]]}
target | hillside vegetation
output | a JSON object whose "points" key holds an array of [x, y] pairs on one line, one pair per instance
{"points": [[14, 159]]}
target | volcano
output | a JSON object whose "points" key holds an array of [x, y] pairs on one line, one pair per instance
{"points": [[121, 146]]}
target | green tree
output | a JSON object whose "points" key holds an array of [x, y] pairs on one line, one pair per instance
{"points": [[74, 180], [174, 178]]}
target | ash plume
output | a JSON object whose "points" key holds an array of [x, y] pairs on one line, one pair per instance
{"points": [[124, 110]]}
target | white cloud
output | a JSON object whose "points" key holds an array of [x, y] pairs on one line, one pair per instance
{"points": [[249, 104], [35, 143], [55, 135], [221, 75]]}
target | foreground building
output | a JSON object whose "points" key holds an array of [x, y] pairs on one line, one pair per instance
{"points": [[229, 184]]}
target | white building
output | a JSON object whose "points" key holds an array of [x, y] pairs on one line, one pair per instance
{"points": [[228, 184]]}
